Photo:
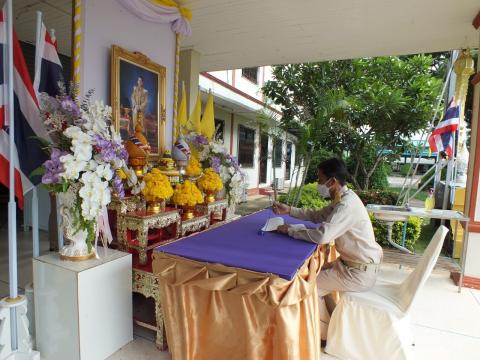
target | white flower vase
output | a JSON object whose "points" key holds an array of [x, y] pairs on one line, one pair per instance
{"points": [[76, 248]]}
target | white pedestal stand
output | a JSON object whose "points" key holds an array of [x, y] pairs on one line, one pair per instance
{"points": [[24, 351], [83, 310]]}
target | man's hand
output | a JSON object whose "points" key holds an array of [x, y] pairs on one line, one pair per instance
{"points": [[283, 229], [280, 209]]}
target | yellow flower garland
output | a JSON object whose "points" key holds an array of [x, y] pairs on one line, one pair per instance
{"points": [[157, 186], [193, 168], [187, 194], [210, 181]]}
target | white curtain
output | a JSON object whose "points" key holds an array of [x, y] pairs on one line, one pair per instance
{"points": [[148, 11]]}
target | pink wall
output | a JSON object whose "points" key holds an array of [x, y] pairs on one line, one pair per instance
{"points": [[106, 23]]}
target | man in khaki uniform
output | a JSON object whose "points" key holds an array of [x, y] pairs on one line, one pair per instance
{"points": [[139, 100], [346, 223]]}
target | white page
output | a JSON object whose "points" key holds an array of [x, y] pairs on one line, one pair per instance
{"points": [[273, 223]]}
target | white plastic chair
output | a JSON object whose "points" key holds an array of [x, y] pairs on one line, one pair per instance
{"points": [[375, 324]]}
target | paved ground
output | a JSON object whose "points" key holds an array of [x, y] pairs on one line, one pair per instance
{"points": [[254, 203], [397, 181]]}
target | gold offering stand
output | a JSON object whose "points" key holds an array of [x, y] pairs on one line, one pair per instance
{"points": [[216, 211], [146, 284], [134, 234], [121, 206], [140, 222], [197, 223]]}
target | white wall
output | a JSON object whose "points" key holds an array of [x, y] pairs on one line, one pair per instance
{"points": [[247, 86], [224, 75], [107, 23], [472, 265]]}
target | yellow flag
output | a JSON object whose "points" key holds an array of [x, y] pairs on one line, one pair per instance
{"points": [[194, 119], [182, 119], [208, 119]]}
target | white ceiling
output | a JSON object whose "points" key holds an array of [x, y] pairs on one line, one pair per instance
{"points": [[57, 14], [239, 33], [233, 34]]}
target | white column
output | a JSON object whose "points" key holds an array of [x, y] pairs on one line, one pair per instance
{"points": [[188, 73]]}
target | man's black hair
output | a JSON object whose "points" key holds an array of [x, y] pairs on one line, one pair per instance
{"points": [[334, 168]]}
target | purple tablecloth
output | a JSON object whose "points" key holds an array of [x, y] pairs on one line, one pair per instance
{"points": [[238, 244]]}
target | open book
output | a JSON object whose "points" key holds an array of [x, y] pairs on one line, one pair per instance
{"points": [[273, 223]]}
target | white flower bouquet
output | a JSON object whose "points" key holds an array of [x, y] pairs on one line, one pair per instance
{"points": [[84, 159]]}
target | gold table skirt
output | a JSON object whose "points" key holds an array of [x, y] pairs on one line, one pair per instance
{"points": [[212, 311]]}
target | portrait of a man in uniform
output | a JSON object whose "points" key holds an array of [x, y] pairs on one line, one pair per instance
{"points": [[138, 96], [139, 99]]}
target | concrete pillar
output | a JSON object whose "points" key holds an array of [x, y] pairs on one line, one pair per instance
{"points": [[472, 198], [188, 74]]}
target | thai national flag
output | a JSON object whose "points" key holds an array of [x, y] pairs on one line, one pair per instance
{"points": [[49, 70], [28, 153], [443, 135]]}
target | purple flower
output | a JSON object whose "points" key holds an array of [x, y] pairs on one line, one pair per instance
{"points": [[53, 168], [233, 160], [200, 140], [118, 187], [70, 106], [108, 150], [216, 163]]}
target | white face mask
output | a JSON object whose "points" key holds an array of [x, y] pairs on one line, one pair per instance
{"points": [[323, 190]]}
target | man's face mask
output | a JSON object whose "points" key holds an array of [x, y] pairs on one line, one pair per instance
{"points": [[324, 190]]}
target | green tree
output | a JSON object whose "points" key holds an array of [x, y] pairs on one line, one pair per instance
{"points": [[358, 109]]}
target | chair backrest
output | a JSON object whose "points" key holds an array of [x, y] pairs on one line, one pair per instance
{"points": [[415, 281]]}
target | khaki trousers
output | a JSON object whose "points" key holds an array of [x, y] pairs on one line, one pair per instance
{"points": [[337, 276]]}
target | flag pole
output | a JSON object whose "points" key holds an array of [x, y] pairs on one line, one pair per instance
{"points": [[38, 64], [12, 206]]}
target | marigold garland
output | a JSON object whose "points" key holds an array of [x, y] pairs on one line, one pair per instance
{"points": [[187, 194], [193, 168], [210, 181], [157, 186]]}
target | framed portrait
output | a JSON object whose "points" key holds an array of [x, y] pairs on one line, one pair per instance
{"points": [[138, 97]]}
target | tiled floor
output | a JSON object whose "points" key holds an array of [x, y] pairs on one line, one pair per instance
{"points": [[446, 324]]}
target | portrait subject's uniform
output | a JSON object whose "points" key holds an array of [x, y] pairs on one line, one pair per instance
{"points": [[139, 100], [346, 223]]}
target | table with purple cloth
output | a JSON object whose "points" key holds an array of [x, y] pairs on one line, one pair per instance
{"points": [[232, 292]]}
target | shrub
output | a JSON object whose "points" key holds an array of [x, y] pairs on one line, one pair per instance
{"points": [[414, 228], [379, 178], [318, 156], [404, 169], [309, 198], [430, 183], [381, 197]]}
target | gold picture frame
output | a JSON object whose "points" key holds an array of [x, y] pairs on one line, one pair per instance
{"points": [[138, 93]]}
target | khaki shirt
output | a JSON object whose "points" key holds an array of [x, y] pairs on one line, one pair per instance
{"points": [[347, 224]]}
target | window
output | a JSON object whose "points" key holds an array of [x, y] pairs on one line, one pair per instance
{"points": [[246, 146], [219, 130], [251, 74], [288, 161], [277, 150]]}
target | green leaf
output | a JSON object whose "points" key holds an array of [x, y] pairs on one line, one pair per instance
{"points": [[39, 171]]}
